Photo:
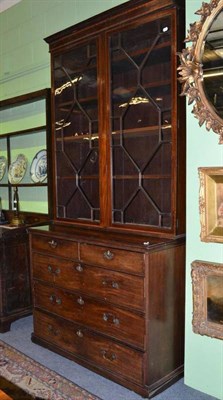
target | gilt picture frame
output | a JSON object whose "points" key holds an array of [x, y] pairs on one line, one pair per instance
{"points": [[207, 286], [211, 204]]}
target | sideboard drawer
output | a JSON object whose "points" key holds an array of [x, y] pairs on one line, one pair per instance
{"points": [[108, 257], [80, 341], [55, 246], [100, 316]]}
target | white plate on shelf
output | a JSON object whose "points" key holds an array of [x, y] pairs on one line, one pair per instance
{"points": [[38, 169], [3, 163], [17, 169]]}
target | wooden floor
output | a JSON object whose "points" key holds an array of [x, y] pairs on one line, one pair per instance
{"points": [[8, 391], [4, 396]]}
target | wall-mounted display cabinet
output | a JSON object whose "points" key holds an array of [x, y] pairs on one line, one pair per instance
{"points": [[24, 140], [110, 268]]}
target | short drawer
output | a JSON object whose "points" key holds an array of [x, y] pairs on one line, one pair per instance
{"points": [[55, 246], [116, 287], [100, 316], [104, 353], [124, 260]]}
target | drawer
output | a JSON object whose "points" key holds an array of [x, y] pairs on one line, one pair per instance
{"points": [[112, 286], [112, 321], [54, 245], [124, 260], [81, 342]]}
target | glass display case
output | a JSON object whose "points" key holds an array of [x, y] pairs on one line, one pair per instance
{"points": [[118, 129]]}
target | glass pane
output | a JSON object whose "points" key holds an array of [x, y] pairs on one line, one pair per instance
{"points": [[76, 131], [141, 124]]}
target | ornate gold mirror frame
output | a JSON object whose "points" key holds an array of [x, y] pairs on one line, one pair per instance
{"points": [[191, 68]]}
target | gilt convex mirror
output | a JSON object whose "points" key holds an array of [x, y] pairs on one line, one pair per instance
{"points": [[201, 67]]}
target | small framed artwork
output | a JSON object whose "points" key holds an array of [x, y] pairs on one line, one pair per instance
{"points": [[211, 204], [207, 286]]}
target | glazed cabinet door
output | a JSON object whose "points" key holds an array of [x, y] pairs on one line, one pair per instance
{"points": [[76, 133], [141, 115]]}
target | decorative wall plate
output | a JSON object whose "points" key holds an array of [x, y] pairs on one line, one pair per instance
{"points": [[38, 170], [3, 163], [17, 169]]}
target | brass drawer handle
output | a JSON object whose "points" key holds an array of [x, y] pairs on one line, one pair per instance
{"points": [[108, 355], [79, 333], [54, 299], [55, 272], [113, 284], [107, 317], [51, 329], [52, 244], [50, 269], [108, 255], [80, 301], [79, 268]]}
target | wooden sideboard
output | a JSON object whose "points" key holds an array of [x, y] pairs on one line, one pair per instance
{"points": [[15, 292]]}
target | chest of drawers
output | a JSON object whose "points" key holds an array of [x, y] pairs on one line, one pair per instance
{"points": [[114, 306]]}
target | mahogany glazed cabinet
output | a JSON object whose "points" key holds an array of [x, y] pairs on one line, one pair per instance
{"points": [[108, 272]]}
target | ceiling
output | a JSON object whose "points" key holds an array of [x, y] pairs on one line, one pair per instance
{"points": [[5, 4]]}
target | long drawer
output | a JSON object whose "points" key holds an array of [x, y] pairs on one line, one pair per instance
{"points": [[104, 353], [108, 257], [98, 315], [55, 246], [116, 287]]}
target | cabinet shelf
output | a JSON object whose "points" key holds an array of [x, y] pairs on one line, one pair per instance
{"points": [[23, 131], [86, 177], [147, 177], [64, 106], [118, 177], [138, 131], [23, 184]]}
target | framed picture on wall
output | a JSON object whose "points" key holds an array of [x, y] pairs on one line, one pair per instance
{"points": [[211, 204], [207, 286]]}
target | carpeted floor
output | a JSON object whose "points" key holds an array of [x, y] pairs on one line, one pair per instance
{"points": [[20, 337], [35, 379]]}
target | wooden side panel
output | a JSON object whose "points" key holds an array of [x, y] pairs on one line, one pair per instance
{"points": [[165, 322]]}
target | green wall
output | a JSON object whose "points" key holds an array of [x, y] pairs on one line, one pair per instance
{"points": [[204, 355], [24, 53], [25, 68]]}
